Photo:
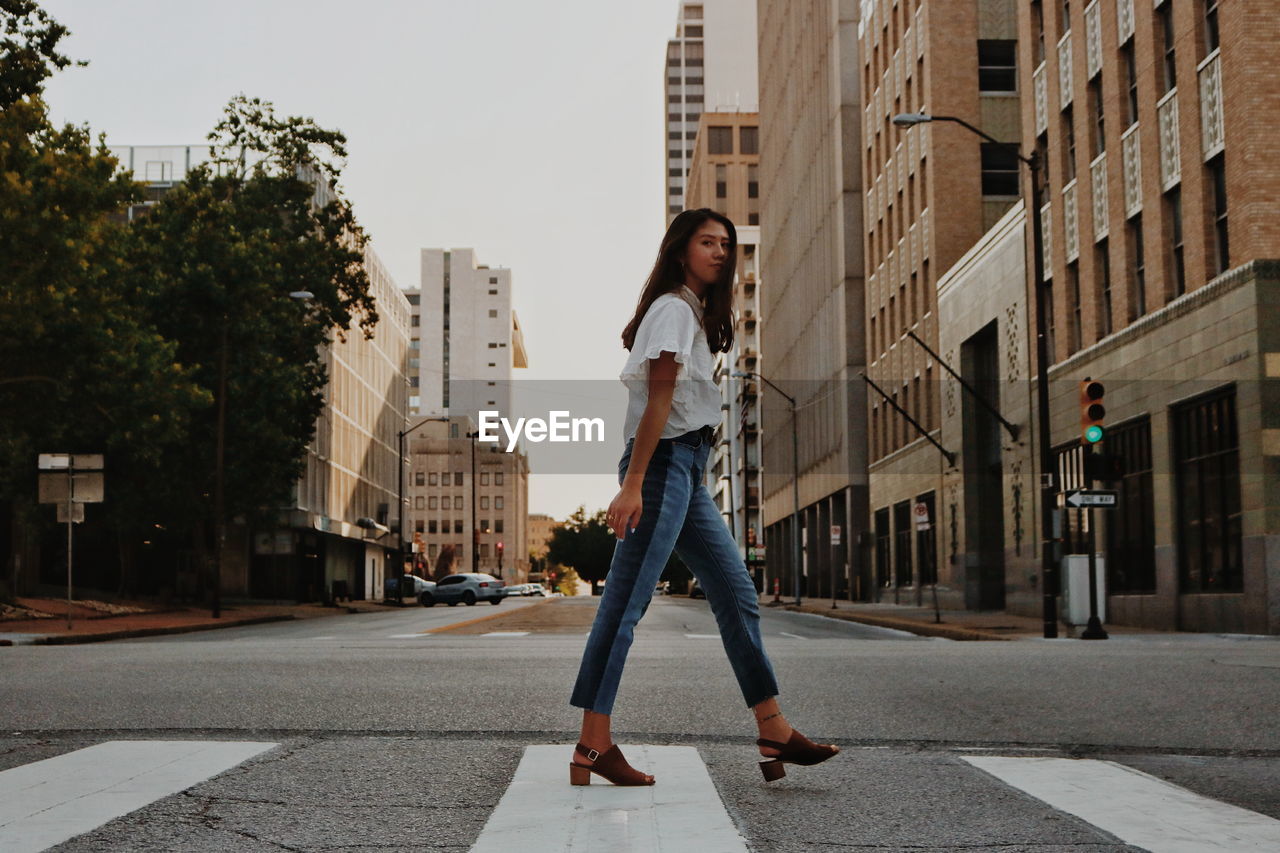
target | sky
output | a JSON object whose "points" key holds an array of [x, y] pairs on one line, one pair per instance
{"points": [[532, 132]]}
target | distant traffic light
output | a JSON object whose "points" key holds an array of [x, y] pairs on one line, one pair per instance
{"points": [[1092, 411]]}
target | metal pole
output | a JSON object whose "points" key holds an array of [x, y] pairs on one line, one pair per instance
{"points": [[70, 516], [1048, 488], [795, 495], [475, 525], [220, 532], [400, 549]]}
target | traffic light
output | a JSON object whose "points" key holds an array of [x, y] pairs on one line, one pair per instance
{"points": [[1092, 411]]}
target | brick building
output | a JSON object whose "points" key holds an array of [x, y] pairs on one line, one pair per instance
{"points": [[1161, 225]]}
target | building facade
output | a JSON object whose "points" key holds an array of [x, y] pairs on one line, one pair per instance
{"points": [[468, 495], [710, 67], [724, 176], [932, 191], [1161, 227], [814, 333]]}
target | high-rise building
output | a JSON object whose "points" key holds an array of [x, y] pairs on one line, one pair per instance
{"points": [[466, 342], [812, 301], [1161, 228], [724, 176], [932, 191], [711, 67]]}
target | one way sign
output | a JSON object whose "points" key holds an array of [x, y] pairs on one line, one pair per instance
{"points": [[1091, 497]]}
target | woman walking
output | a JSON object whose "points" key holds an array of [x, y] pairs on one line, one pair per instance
{"points": [[683, 315]]}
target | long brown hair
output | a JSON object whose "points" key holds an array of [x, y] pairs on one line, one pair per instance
{"points": [[668, 276]]}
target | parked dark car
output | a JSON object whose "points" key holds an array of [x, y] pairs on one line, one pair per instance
{"points": [[414, 586], [465, 588]]}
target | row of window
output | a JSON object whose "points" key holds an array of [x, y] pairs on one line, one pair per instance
{"points": [[455, 526], [720, 139], [442, 502], [423, 478], [890, 431]]}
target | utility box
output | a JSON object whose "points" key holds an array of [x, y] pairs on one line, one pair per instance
{"points": [[1076, 603]]}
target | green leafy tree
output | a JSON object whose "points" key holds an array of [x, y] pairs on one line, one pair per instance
{"points": [[81, 367], [584, 543], [226, 255]]}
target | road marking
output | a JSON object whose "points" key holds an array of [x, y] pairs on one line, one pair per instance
{"points": [[792, 636], [702, 636], [542, 811], [47, 802], [506, 634], [1137, 808], [409, 637], [324, 638]]}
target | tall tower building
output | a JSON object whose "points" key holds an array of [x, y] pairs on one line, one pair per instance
{"points": [[811, 266], [932, 191], [711, 66]]}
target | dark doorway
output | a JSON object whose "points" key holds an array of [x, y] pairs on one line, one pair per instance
{"points": [[983, 475]]}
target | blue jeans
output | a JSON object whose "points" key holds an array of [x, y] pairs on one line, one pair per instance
{"points": [[677, 514]]}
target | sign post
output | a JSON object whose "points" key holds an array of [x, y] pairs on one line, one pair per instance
{"points": [[70, 481]]}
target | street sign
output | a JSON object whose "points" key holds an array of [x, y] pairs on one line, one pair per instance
{"points": [[755, 554], [76, 515], [1091, 497], [86, 487], [835, 534], [921, 512]]}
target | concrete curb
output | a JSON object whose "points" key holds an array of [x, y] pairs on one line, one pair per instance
{"points": [[468, 622], [74, 640], [923, 629]]}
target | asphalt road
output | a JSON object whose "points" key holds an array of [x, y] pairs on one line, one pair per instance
{"points": [[395, 739]]}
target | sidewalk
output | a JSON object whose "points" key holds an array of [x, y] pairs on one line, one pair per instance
{"points": [[94, 621], [954, 624]]}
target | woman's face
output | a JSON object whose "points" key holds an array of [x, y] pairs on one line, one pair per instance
{"points": [[708, 250]]}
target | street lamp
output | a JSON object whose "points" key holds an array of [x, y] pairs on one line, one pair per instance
{"points": [[400, 513], [795, 483], [1048, 570]]}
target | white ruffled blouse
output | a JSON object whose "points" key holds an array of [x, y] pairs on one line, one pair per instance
{"points": [[673, 324]]}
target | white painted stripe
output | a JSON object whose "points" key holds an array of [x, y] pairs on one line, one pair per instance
{"points": [[792, 636], [409, 636], [702, 636], [47, 802], [542, 811], [324, 638], [1137, 808], [506, 634]]}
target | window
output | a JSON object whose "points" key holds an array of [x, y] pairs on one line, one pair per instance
{"points": [[484, 478], [1210, 26], [882, 547], [1222, 251], [1069, 148], [1099, 116], [1131, 545], [414, 321], [417, 526], [753, 219], [719, 140], [417, 478], [497, 502], [433, 526], [1102, 264], [433, 502], [497, 525], [431, 479], [997, 65], [457, 501], [1173, 215], [1065, 6], [497, 478], [999, 170], [493, 313], [1207, 467], [457, 524], [444, 478], [1131, 82], [457, 478], [753, 181], [1164, 13], [749, 139], [722, 182], [1050, 339], [1138, 258], [493, 279], [1037, 13], [902, 529], [484, 525], [1073, 292], [693, 32], [484, 550], [484, 502]]}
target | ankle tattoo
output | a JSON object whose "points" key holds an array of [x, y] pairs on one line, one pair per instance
{"points": [[770, 717]]}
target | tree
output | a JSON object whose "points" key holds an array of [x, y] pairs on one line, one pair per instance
{"points": [[226, 256], [585, 543], [81, 367], [446, 561]]}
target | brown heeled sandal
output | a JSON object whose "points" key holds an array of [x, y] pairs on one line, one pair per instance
{"points": [[797, 750], [609, 764]]}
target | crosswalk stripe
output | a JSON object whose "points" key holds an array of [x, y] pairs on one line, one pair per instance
{"points": [[792, 636], [409, 637], [1137, 808], [542, 811], [506, 634], [702, 636], [47, 802]]}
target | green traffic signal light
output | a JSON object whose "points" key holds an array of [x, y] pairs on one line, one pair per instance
{"points": [[1093, 434]]}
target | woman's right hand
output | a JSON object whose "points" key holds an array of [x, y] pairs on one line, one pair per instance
{"points": [[624, 511]]}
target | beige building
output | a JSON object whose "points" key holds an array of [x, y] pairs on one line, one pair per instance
{"points": [[538, 528], [1161, 222], [725, 177], [710, 67], [813, 331], [932, 190], [470, 495]]}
